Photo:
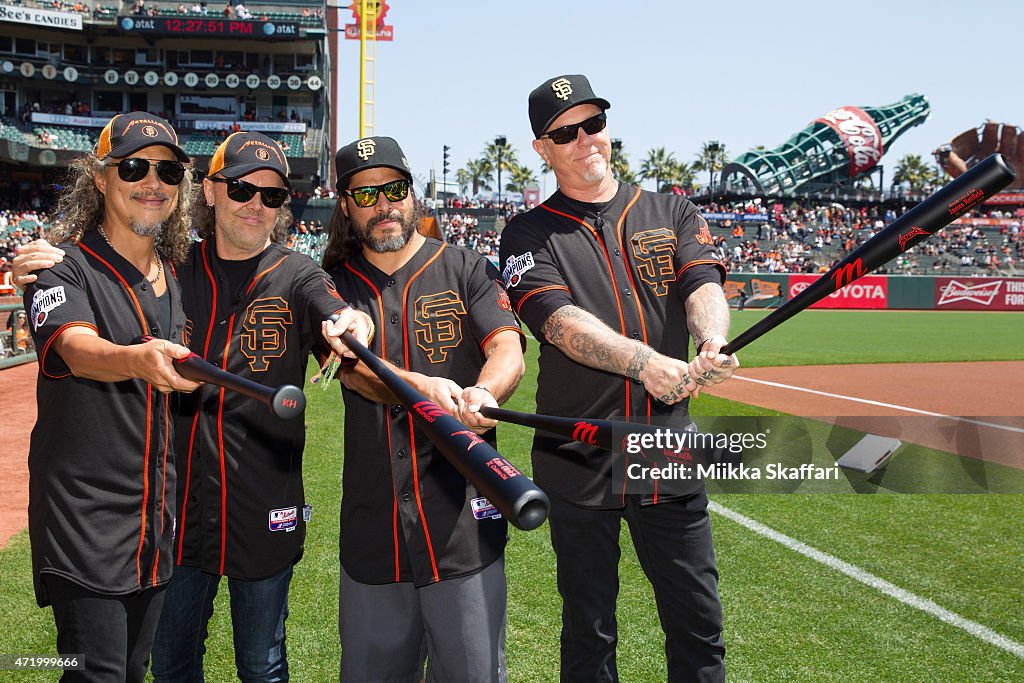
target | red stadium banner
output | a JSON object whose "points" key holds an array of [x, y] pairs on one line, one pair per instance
{"points": [[979, 293], [1007, 198], [870, 291]]}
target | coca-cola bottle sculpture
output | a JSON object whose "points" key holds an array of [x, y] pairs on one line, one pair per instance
{"points": [[834, 149]]}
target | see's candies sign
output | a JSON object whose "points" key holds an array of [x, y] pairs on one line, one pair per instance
{"points": [[870, 291]]}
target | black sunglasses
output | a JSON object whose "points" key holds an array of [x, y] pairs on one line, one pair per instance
{"points": [[243, 192], [134, 169], [566, 134], [395, 191]]}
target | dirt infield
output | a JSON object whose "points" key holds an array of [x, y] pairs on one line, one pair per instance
{"points": [[854, 393], [18, 387], [927, 394]]}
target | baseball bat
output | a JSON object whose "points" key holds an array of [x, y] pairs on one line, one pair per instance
{"points": [[942, 208], [514, 495], [286, 401], [599, 433]]}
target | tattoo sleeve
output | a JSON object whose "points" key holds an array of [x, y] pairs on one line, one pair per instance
{"points": [[588, 341], [707, 312]]}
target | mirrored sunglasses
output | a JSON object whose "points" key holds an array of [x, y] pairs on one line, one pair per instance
{"points": [[395, 191]]}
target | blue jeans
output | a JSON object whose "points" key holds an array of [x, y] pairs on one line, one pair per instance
{"points": [[258, 613]]}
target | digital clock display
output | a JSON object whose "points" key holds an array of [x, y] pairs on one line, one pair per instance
{"points": [[209, 27]]}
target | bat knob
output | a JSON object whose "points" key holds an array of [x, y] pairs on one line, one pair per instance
{"points": [[288, 402], [533, 511]]}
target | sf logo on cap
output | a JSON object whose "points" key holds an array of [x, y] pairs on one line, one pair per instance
{"points": [[366, 148], [149, 131], [562, 88], [262, 154]]}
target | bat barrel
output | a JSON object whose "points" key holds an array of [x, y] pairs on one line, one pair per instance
{"points": [[967, 192]]}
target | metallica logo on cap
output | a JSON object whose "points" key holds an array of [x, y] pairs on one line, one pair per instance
{"points": [[126, 134], [375, 152], [558, 94], [243, 153]]}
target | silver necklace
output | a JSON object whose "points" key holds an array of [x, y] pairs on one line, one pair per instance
{"points": [[156, 259]]}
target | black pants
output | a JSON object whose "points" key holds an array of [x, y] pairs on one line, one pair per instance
{"points": [[113, 634], [673, 544]]}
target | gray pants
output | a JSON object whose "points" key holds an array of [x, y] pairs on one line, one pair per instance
{"points": [[458, 626]]}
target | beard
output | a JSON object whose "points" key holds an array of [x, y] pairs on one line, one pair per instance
{"points": [[596, 171], [391, 243], [154, 229]]}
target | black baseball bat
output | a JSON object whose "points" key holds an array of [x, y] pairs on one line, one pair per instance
{"points": [[600, 433], [942, 208], [286, 401], [514, 495]]}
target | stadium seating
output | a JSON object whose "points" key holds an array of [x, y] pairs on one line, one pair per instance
{"points": [[8, 131], [73, 138]]}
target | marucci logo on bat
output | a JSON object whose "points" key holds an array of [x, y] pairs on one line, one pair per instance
{"points": [[429, 410], [844, 275], [914, 232], [584, 432]]}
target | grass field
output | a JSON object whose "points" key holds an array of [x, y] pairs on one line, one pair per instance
{"points": [[787, 617]]}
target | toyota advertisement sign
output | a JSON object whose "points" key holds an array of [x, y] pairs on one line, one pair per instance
{"points": [[870, 291]]}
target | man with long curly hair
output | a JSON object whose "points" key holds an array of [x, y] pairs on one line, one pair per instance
{"points": [[101, 474]]}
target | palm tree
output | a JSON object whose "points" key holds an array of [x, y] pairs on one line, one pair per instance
{"points": [[620, 166], [711, 158], [464, 179], [520, 178], [912, 172], [481, 174], [508, 156], [682, 175], [657, 165]]}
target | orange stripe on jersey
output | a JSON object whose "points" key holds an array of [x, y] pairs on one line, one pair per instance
{"points": [[387, 420], [706, 262], [220, 448], [53, 338], [259, 275], [538, 291], [138, 306], [488, 338]]}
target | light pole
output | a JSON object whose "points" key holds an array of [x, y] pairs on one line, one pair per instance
{"points": [[714, 147], [444, 173], [499, 143]]}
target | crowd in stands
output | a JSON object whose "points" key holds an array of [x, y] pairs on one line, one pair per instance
{"points": [[462, 230], [233, 9], [791, 238]]}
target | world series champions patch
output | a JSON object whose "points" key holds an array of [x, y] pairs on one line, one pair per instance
{"points": [[43, 302]]}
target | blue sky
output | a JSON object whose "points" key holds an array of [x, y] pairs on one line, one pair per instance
{"points": [[679, 73]]}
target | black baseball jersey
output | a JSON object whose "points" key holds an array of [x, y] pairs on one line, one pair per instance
{"points": [[631, 262], [406, 513], [240, 496], [101, 469]]}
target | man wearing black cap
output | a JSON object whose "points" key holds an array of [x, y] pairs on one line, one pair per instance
{"points": [[256, 309], [101, 475], [422, 552], [614, 281]]}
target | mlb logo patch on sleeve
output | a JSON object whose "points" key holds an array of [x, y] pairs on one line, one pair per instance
{"points": [[44, 301], [484, 509], [284, 519]]}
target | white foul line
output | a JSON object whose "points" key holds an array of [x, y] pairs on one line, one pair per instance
{"points": [[880, 404], [906, 597]]}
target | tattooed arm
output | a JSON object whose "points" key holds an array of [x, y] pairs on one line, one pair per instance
{"points": [[585, 339], [707, 317]]}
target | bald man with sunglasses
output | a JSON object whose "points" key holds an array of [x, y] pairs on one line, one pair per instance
{"points": [[614, 282], [256, 309]]}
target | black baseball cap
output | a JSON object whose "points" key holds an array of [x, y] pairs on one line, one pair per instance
{"points": [[556, 95], [242, 153], [367, 153], [126, 134]]}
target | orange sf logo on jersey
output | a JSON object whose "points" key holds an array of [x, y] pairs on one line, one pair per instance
{"points": [[264, 332], [438, 324], [653, 251]]}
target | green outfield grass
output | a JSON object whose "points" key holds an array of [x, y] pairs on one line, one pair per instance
{"points": [[787, 618], [825, 337]]}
